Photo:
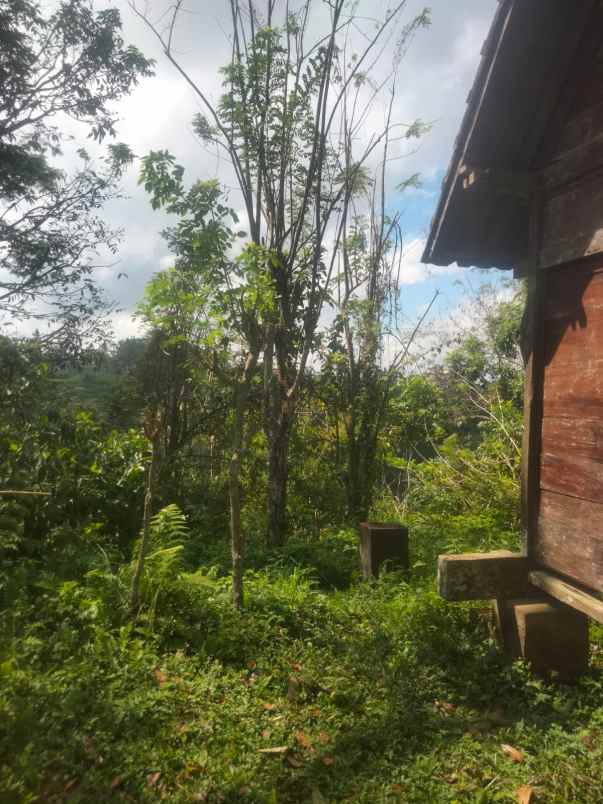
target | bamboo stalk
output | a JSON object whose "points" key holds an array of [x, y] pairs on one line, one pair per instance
{"points": [[23, 493]]}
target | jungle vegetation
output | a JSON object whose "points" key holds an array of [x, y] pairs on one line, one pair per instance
{"points": [[182, 616]]}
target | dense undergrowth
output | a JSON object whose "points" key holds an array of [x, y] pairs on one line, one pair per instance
{"points": [[282, 384], [324, 689]]}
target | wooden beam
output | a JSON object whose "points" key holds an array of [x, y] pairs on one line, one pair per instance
{"points": [[382, 543], [516, 184], [523, 268], [550, 635], [532, 351], [568, 594], [483, 576]]}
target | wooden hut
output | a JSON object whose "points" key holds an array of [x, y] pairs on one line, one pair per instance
{"points": [[524, 191]]}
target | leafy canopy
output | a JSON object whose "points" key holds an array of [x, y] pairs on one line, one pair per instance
{"points": [[70, 62]]}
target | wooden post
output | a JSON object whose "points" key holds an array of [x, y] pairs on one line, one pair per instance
{"points": [[537, 627], [532, 412], [382, 542], [552, 637], [483, 576]]}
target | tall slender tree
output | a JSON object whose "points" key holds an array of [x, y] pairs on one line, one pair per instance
{"points": [[281, 122], [366, 298], [221, 304]]}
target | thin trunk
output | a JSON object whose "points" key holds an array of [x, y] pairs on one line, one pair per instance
{"points": [[353, 485], [278, 471], [237, 541], [360, 479], [149, 498], [234, 489]]}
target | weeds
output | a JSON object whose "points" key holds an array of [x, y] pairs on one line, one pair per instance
{"points": [[379, 692]]}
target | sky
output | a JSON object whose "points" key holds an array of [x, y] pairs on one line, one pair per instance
{"points": [[435, 78]]}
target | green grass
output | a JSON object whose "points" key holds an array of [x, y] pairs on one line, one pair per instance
{"points": [[375, 693]]}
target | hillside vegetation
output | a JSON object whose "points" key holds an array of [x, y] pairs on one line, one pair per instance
{"points": [[182, 616]]}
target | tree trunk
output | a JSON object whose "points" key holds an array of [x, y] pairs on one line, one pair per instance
{"points": [[278, 471], [353, 485], [149, 498], [360, 482], [357, 507], [237, 542], [365, 421], [236, 536]]}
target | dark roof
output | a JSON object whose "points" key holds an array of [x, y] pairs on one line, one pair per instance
{"points": [[525, 61]]}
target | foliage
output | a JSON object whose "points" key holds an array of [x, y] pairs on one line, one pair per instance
{"points": [[485, 365], [126, 674], [323, 688], [382, 692], [288, 120], [70, 62], [86, 477]]}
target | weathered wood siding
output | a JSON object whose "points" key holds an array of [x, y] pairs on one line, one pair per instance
{"points": [[572, 174], [567, 536]]}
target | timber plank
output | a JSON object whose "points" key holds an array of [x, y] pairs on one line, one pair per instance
{"points": [[569, 537], [581, 86], [572, 287], [572, 225], [567, 473], [573, 332], [591, 86], [580, 130], [581, 436], [576, 164], [568, 594], [578, 408], [483, 576], [573, 342], [571, 298], [566, 382]]}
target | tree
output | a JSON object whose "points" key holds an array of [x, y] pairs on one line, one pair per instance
{"points": [[70, 62], [485, 366], [366, 298], [153, 426], [358, 379], [219, 305], [280, 121]]}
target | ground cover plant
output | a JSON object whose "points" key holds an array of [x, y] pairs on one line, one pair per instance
{"points": [[322, 687], [182, 616], [377, 692]]}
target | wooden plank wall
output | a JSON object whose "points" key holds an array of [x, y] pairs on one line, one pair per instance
{"points": [[572, 160], [569, 531], [567, 536]]}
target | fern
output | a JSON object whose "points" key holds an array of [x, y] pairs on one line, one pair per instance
{"points": [[163, 564], [168, 528]]}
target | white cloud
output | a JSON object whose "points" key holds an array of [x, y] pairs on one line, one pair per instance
{"points": [[435, 78], [126, 326], [166, 262], [450, 323], [414, 271]]}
